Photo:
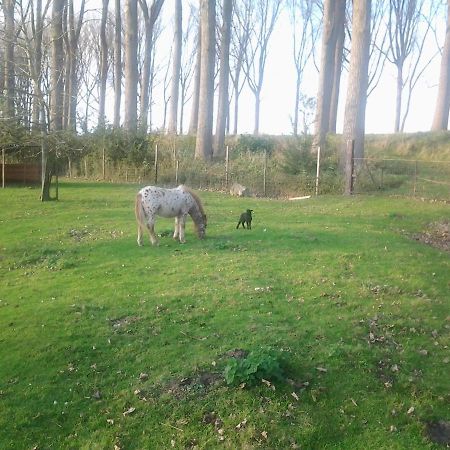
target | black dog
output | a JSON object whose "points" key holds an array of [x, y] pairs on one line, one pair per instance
{"points": [[246, 218]]}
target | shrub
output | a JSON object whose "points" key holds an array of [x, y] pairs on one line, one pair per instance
{"points": [[257, 365]]}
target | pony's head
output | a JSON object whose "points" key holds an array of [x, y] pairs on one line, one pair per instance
{"points": [[198, 216]]}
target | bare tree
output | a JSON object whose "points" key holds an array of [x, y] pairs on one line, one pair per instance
{"points": [[330, 35], [176, 68], [9, 33], [242, 27], [304, 36], [117, 63], [266, 15], [441, 112], [131, 66], [224, 76], [195, 95], [57, 67], [150, 17], [71, 38], [355, 105], [405, 19], [203, 147], [103, 65]]}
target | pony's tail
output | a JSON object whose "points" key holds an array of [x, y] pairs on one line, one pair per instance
{"points": [[139, 211]]}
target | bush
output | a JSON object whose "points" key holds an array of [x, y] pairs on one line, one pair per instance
{"points": [[257, 365]]}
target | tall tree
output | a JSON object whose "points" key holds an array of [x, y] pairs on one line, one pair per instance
{"points": [[330, 35], [150, 17], [176, 68], [355, 105], [71, 38], [224, 76], [304, 36], [57, 67], [266, 15], [193, 123], [117, 63], [9, 65], [441, 112], [103, 65], [242, 28], [131, 64], [203, 146]]}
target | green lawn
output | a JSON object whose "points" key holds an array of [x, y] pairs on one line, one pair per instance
{"points": [[104, 343]]}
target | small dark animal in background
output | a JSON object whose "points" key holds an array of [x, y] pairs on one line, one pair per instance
{"points": [[246, 219]]}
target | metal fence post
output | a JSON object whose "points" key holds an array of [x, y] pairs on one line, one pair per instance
{"points": [[317, 170], [156, 164]]}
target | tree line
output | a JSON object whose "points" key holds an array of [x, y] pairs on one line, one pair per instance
{"points": [[61, 61]]}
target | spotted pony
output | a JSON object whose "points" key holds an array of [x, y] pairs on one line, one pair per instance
{"points": [[152, 201]]}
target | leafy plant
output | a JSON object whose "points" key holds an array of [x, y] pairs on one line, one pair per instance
{"points": [[257, 365]]}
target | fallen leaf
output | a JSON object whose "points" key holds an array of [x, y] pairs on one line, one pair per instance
{"points": [[264, 434], [295, 395], [241, 424], [353, 401], [129, 411], [321, 369], [410, 410], [143, 376]]}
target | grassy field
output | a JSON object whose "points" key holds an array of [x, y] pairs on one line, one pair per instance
{"points": [[105, 345]]}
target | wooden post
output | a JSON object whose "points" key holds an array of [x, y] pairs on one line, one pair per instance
{"points": [[85, 167], [415, 177], [3, 167], [317, 170], [177, 165], [227, 161], [265, 173], [104, 164], [349, 164], [156, 164]]}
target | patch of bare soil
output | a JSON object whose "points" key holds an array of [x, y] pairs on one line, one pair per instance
{"points": [[197, 383], [439, 432], [437, 235]]}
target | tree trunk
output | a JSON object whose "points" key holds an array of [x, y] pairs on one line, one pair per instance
{"points": [[224, 76], [337, 69], [441, 113], [355, 106], [131, 65], [117, 63], [194, 111], [36, 69], [8, 12], [146, 78], [398, 98], [103, 65], [203, 147], [176, 68], [57, 67], [326, 78]]}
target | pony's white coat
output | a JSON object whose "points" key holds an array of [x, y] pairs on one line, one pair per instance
{"points": [[152, 201]]}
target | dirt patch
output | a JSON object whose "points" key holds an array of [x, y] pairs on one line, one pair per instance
{"points": [[437, 235], [123, 321], [439, 432], [197, 383]]}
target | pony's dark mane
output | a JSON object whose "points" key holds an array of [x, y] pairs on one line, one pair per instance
{"points": [[196, 198]]}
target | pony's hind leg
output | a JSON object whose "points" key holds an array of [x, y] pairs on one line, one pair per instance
{"points": [[139, 236], [181, 225], [151, 232]]}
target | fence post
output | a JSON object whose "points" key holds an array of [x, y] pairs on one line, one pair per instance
{"points": [[227, 160], [318, 170], [349, 165], [3, 167], [156, 164], [104, 164], [265, 173], [177, 165], [415, 177]]}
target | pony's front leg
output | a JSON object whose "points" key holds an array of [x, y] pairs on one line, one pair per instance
{"points": [[176, 231], [151, 232], [139, 236], [181, 225]]}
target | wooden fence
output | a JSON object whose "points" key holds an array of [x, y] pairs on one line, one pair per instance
{"points": [[20, 173]]}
